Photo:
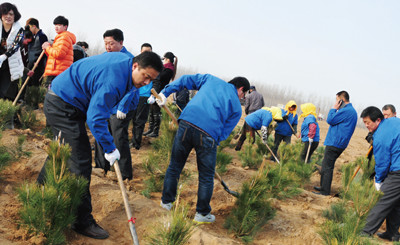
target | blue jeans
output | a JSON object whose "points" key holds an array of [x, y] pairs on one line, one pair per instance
{"points": [[187, 138]]}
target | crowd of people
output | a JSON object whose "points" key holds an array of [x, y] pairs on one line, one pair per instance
{"points": [[110, 90]]}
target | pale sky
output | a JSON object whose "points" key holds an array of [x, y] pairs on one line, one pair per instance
{"points": [[318, 47]]}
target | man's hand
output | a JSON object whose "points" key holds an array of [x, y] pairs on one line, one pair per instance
{"points": [[368, 138], [310, 140], [30, 73], [3, 57], [46, 45], [264, 132], [121, 115], [113, 156], [378, 186], [337, 104], [151, 100], [162, 101]]}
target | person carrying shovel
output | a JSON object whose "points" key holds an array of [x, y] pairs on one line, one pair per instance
{"points": [[86, 93], [257, 120], [309, 130], [287, 127], [208, 119]]}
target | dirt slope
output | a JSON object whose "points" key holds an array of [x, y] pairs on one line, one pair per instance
{"points": [[296, 222]]}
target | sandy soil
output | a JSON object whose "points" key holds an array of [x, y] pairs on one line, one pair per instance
{"points": [[296, 222]]}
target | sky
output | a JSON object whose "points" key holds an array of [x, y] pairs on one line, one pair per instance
{"points": [[315, 47]]}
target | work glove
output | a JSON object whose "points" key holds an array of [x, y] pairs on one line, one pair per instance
{"points": [[121, 115], [285, 117], [113, 156], [378, 186], [3, 57], [264, 132], [162, 101], [310, 140], [151, 100]]}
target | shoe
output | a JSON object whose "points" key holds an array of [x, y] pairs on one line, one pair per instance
{"points": [[317, 188], [148, 132], [365, 234], [204, 219], [396, 238], [167, 206], [237, 148], [137, 146], [152, 135], [319, 193], [93, 231], [386, 236]]}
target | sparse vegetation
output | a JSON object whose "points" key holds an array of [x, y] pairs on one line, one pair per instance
{"points": [[7, 112]]}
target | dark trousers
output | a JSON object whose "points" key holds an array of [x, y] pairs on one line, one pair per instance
{"points": [[277, 141], [68, 119], [119, 130], [388, 207], [246, 128], [139, 119], [8, 88], [328, 164], [155, 118], [187, 138], [314, 146]]}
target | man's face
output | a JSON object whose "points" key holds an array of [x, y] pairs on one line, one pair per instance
{"points": [[388, 113], [60, 28], [146, 49], [371, 126], [111, 45], [142, 76]]}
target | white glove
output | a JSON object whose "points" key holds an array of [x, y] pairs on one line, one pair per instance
{"points": [[264, 132], [151, 100], [163, 100], [113, 156], [121, 115], [310, 140], [3, 57], [378, 186]]}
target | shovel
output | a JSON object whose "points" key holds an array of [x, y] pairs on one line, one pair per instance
{"points": [[128, 211], [27, 79], [308, 152], [237, 135], [272, 153], [233, 193], [291, 127]]}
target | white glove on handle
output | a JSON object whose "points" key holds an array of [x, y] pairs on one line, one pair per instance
{"points": [[3, 57], [121, 115], [310, 140], [151, 100], [264, 132], [163, 100], [378, 186], [113, 156]]}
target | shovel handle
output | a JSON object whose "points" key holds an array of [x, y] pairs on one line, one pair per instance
{"points": [[291, 127], [154, 92], [308, 152], [126, 204]]}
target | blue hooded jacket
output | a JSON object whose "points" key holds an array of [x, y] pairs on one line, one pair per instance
{"points": [[283, 127], [305, 128], [386, 143], [342, 124], [259, 118], [216, 107], [131, 99], [95, 85]]}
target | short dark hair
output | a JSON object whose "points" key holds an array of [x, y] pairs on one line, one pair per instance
{"points": [[345, 95], [149, 59], [241, 82], [27, 34], [6, 7], [117, 34], [33, 22], [61, 20], [83, 44], [148, 45], [389, 107], [373, 113]]}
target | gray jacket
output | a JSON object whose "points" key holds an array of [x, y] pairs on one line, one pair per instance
{"points": [[254, 101]]}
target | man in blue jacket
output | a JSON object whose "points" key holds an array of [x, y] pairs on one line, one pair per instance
{"points": [[386, 145], [121, 114], [207, 119], [342, 119], [87, 92]]}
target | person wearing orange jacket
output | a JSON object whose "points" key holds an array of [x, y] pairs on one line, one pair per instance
{"points": [[60, 54]]}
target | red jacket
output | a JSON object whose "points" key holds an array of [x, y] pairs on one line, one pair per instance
{"points": [[60, 54]]}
